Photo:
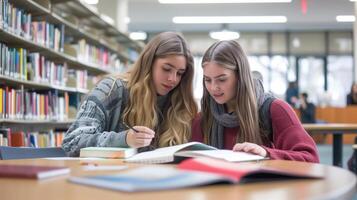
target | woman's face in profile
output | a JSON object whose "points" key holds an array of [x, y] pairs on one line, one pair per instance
{"points": [[221, 82], [167, 73]]}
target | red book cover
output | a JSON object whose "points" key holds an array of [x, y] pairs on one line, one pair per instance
{"points": [[241, 172], [31, 171], [17, 139]]}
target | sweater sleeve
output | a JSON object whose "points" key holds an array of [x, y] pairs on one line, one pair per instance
{"points": [[290, 140], [90, 126]]}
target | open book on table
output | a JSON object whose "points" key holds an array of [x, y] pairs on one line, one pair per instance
{"points": [[189, 173], [177, 153]]}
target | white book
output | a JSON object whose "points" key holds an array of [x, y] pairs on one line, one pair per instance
{"points": [[107, 152]]}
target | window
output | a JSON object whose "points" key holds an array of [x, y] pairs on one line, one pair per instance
{"points": [[311, 79], [339, 78]]}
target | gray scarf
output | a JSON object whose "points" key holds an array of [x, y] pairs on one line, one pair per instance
{"points": [[223, 119]]}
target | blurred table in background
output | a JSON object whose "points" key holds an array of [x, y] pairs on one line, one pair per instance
{"points": [[337, 130], [335, 115]]}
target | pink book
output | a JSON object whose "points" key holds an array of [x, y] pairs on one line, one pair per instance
{"points": [[31, 171], [242, 172]]}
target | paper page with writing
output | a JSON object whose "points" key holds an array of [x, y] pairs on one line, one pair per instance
{"points": [[227, 155], [166, 154]]}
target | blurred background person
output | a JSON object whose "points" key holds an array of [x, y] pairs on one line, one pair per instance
{"points": [[291, 94], [307, 109], [352, 96]]}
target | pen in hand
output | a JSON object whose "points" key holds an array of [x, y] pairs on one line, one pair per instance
{"points": [[129, 127]]}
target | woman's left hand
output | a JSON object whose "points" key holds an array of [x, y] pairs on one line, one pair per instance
{"points": [[250, 148]]}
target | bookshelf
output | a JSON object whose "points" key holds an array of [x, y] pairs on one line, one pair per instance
{"points": [[52, 52]]}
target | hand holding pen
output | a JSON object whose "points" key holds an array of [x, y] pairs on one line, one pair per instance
{"points": [[139, 136]]}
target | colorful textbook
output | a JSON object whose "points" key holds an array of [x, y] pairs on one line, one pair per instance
{"points": [[177, 153], [189, 173]]}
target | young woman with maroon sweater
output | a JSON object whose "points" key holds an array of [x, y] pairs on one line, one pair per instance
{"points": [[233, 106]]}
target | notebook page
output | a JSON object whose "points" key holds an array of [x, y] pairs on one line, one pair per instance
{"points": [[160, 155], [228, 155]]}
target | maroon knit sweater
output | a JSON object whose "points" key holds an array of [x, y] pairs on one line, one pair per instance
{"points": [[290, 140]]}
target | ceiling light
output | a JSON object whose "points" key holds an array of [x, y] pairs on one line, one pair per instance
{"points": [[224, 35], [91, 2], [228, 19], [221, 1], [345, 18], [127, 20], [138, 35]]}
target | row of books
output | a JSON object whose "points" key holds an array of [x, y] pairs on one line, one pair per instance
{"points": [[97, 55], [19, 22], [15, 20], [78, 79], [13, 62], [50, 138], [19, 64], [48, 35], [46, 71], [23, 104]]}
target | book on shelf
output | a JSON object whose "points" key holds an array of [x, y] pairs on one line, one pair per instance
{"points": [[31, 171], [48, 138], [18, 139], [5, 135], [177, 153], [107, 152], [26, 104], [190, 173]]}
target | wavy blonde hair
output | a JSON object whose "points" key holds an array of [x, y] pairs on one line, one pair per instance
{"points": [[229, 54], [142, 105]]}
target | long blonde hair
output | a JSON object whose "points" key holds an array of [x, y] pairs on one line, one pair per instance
{"points": [[142, 106], [230, 54]]}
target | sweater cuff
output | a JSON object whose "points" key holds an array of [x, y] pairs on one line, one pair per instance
{"points": [[119, 140], [267, 149]]}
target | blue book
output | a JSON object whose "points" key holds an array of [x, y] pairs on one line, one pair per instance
{"points": [[149, 178]]}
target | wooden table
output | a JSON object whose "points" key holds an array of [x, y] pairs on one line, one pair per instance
{"points": [[337, 131], [337, 183]]}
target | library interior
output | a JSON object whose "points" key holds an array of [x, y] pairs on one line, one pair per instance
{"points": [[179, 99]]}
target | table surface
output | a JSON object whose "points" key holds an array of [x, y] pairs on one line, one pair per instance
{"points": [[337, 183], [339, 127]]}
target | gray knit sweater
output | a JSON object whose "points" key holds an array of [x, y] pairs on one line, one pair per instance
{"points": [[99, 120]]}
